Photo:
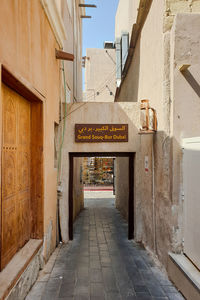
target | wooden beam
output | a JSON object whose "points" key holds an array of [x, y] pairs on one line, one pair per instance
{"points": [[20, 85], [86, 17], [183, 68], [64, 55], [87, 5]]}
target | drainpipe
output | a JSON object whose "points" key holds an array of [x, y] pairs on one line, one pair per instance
{"points": [[125, 48], [118, 61], [153, 198]]}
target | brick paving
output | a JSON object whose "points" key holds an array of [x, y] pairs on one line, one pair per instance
{"points": [[101, 263]]}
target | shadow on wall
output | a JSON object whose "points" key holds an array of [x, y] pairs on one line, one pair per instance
{"points": [[192, 81], [122, 185], [130, 83], [78, 194], [161, 211]]}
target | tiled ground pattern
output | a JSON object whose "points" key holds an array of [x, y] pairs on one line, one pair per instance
{"points": [[102, 264]]}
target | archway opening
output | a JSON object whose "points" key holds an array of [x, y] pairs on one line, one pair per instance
{"points": [[100, 177]]}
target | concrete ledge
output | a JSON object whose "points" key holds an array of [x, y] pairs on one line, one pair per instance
{"points": [[185, 276], [12, 272]]}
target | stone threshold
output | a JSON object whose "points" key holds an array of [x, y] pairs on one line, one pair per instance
{"points": [[185, 275], [14, 269]]}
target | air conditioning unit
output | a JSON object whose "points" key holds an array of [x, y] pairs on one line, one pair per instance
{"points": [[109, 45]]}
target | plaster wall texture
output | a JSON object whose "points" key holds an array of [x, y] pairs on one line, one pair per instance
{"points": [[100, 75], [147, 78], [185, 38], [173, 7], [73, 44], [126, 16], [144, 79], [27, 47], [177, 50], [144, 203], [73, 76], [94, 113], [147, 196], [154, 75]]}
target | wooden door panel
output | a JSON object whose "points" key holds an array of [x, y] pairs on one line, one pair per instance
{"points": [[24, 124], [15, 174], [24, 218], [23, 171], [9, 180], [9, 232], [9, 119]]}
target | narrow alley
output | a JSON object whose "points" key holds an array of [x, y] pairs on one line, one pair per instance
{"points": [[100, 149], [101, 263]]}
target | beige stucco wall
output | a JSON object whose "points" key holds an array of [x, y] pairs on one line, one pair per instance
{"points": [[185, 88], [145, 80], [27, 47], [100, 77], [173, 7], [71, 13], [154, 75], [147, 192], [186, 108], [94, 113], [126, 16]]}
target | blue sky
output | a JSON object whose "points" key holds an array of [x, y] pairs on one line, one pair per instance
{"points": [[102, 25]]}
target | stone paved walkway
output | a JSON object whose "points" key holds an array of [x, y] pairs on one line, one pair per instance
{"points": [[102, 264]]}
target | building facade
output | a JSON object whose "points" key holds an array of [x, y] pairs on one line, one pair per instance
{"points": [[35, 84], [100, 78], [161, 66]]}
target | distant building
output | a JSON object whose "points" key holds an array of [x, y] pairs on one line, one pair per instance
{"points": [[100, 74]]}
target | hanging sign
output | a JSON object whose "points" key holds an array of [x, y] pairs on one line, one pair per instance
{"points": [[101, 133]]}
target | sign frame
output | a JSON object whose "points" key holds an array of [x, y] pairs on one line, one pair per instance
{"points": [[101, 133]]}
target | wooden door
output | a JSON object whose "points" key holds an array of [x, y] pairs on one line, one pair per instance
{"points": [[15, 214]]}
